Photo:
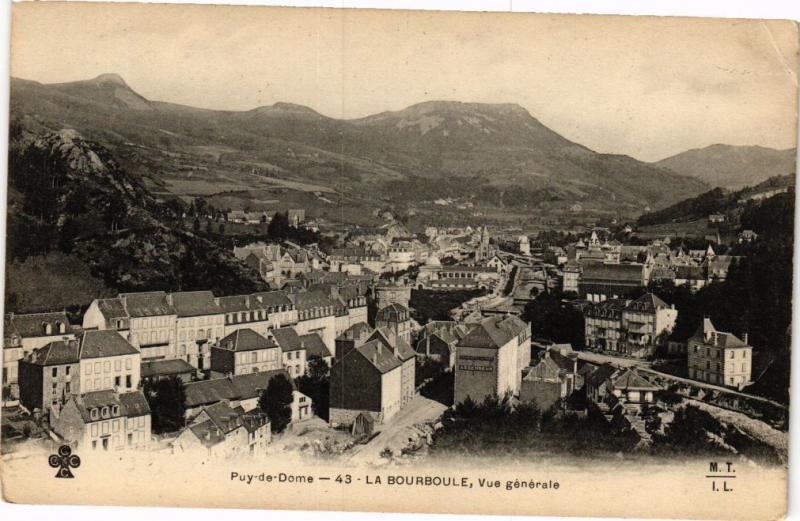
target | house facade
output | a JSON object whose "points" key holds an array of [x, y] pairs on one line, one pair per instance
{"points": [[22, 333], [245, 351], [104, 421], [490, 358], [719, 357]]}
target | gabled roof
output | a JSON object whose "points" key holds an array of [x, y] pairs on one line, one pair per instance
{"points": [[647, 302], [55, 353], [272, 298], [245, 340], [103, 343], [392, 313], [493, 332], [630, 379], [112, 308], [194, 303], [545, 368], [707, 334], [314, 346], [356, 331], [147, 304], [403, 349], [32, 324], [310, 300], [287, 339], [235, 303], [177, 366], [613, 272], [131, 404], [377, 354], [601, 374], [238, 387]]}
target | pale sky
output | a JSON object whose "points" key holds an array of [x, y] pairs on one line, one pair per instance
{"points": [[646, 87]]}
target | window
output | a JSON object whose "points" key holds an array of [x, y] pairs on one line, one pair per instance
{"points": [[106, 382], [94, 429], [130, 438], [127, 363], [117, 365], [105, 443], [128, 381], [94, 444], [115, 426], [93, 414], [97, 367], [67, 388], [67, 370], [140, 421], [733, 353], [55, 372], [117, 381], [88, 385], [88, 369], [105, 414], [107, 366]]}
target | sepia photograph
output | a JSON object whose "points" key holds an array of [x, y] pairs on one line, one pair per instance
{"points": [[344, 259]]}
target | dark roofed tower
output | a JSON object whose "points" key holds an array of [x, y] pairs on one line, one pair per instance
{"points": [[397, 319]]}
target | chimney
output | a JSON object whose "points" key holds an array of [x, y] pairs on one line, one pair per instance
{"points": [[745, 337]]}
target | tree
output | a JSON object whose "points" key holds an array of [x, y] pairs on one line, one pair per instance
{"points": [[276, 401], [553, 319], [278, 228], [196, 224], [167, 400], [316, 385]]}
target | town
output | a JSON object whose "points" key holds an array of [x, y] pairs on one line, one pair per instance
{"points": [[343, 355]]}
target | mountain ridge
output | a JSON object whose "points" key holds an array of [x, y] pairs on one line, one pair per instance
{"points": [[473, 149], [732, 166]]}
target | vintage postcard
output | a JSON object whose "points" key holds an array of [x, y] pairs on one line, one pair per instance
{"points": [[447, 262]]}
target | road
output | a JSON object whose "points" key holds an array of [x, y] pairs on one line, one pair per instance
{"points": [[644, 366], [395, 434]]}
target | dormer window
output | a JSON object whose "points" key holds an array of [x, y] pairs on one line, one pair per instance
{"points": [[104, 414], [62, 328], [115, 410], [93, 414], [48, 329]]}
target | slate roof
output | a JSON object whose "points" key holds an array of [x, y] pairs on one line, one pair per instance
{"points": [[130, 404], [545, 368], [493, 332], [194, 303], [314, 346], [166, 368], [392, 313], [238, 387], [55, 353], [601, 374], [690, 272], [32, 324], [647, 302], [98, 344], [112, 308], [356, 331], [273, 298], [377, 354], [630, 379], [245, 340], [287, 339], [723, 339], [613, 272], [311, 300], [235, 303], [404, 350], [147, 304]]}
